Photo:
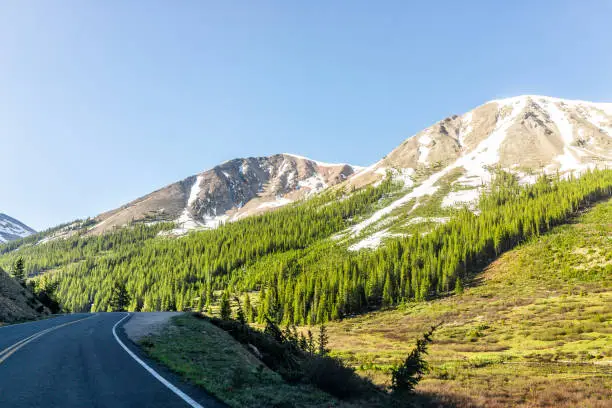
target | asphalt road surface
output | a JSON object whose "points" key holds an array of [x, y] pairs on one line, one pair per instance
{"points": [[76, 361]]}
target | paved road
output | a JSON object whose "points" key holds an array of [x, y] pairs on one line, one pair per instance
{"points": [[75, 361]]}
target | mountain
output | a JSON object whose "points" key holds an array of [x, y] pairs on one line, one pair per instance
{"points": [[452, 160], [523, 133], [230, 191], [297, 265], [444, 166], [11, 229]]}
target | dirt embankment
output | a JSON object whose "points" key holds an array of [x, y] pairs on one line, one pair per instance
{"points": [[144, 324], [16, 302]]}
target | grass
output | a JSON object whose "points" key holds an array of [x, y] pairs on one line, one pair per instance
{"points": [[209, 357], [533, 329]]}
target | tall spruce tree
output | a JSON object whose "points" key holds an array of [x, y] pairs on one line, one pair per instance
{"points": [[248, 308], [225, 309], [120, 298], [323, 340], [19, 270]]}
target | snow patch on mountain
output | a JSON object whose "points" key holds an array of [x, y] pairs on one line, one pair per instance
{"points": [[466, 128], [461, 197], [424, 149], [373, 241], [315, 183], [186, 220], [567, 160], [279, 202], [485, 154], [421, 220], [11, 229]]}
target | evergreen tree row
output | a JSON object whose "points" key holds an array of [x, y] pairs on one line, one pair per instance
{"points": [[300, 276]]}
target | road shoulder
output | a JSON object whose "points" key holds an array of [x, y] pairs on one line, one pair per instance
{"points": [[153, 324]]}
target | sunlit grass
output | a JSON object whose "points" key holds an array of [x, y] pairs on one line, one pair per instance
{"points": [[533, 329], [209, 357]]}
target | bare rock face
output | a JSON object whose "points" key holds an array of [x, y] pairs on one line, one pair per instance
{"points": [[11, 229], [232, 190], [529, 133]]}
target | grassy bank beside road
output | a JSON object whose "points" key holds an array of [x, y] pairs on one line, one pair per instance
{"points": [[209, 357]]}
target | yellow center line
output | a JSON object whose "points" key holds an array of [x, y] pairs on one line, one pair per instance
{"points": [[9, 351], [6, 350]]}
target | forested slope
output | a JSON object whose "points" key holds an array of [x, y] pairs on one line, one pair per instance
{"points": [[301, 274]]}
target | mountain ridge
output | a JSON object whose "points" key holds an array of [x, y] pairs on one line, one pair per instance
{"points": [[229, 191], [526, 134]]}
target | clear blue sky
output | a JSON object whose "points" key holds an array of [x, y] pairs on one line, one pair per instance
{"points": [[104, 101]]}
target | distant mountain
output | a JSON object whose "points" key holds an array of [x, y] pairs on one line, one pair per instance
{"points": [[11, 229], [230, 191]]}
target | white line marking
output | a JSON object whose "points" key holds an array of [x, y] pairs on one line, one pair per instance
{"points": [[154, 373]]}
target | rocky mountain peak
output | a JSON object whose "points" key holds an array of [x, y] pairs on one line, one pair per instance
{"points": [[230, 191]]}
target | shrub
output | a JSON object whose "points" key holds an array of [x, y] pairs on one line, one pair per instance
{"points": [[280, 351], [407, 375], [332, 376]]}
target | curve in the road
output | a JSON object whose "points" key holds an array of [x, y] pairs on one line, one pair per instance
{"points": [[85, 365], [12, 349]]}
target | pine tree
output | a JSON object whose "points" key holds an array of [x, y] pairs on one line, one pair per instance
{"points": [[248, 309], [120, 298], [224, 307], [323, 340], [311, 342], [407, 375], [199, 303], [458, 286], [388, 292], [209, 295], [303, 343], [240, 313], [19, 271]]}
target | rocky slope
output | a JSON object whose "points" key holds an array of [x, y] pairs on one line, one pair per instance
{"points": [[17, 303], [233, 190], [11, 229], [457, 156]]}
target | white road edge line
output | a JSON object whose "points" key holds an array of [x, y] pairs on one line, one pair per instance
{"points": [[154, 373]]}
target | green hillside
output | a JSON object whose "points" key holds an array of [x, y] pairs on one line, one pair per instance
{"points": [[290, 257], [533, 329]]}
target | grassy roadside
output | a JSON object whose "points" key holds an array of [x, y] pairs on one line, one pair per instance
{"points": [[209, 357], [534, 329]]}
